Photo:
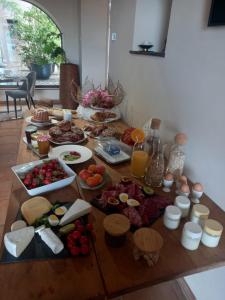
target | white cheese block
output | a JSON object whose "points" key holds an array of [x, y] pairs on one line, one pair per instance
{"points": [[77, 210], [17, 241], [51, 239]]}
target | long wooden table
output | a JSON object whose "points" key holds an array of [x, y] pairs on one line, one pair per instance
{"points": [[107, 272]]}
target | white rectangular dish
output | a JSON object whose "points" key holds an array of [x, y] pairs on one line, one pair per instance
{"points": [[24, 168]]}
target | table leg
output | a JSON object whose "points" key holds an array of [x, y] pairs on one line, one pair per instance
{"points": [[14, 99], [7, 103]]}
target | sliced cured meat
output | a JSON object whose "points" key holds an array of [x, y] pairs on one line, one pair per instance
{"points": [[65, 125], [133, 215]]}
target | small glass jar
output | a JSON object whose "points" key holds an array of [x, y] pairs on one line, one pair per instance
{"points": [[212, 232], [172, 216], [199, 214], [184, 204], [67, 115], [28, 131], [191, 236], [43, 144]]}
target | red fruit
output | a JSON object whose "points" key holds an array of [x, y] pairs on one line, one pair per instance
{"points": [[46, 181], [76, 234], [100, 169], [75, 251], [92, 181], [92, 168], [85, 249], [49, 174], [70, 244], [84, 174], [77, 223], [81, 228], [89, 227], [26, 181], [84, 239]]}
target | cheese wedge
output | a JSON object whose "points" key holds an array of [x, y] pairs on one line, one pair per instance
{"points": [[17, 241], [35, 208], [77, 210]]}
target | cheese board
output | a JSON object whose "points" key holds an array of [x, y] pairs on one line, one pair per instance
{"points": [[45, 240]]}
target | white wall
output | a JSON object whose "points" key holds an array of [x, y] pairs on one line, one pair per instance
{"points": [[94, 40], [151, 23], [185, 89]]}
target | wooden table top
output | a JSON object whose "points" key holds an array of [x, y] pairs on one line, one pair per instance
{"points": [[107, 271]]}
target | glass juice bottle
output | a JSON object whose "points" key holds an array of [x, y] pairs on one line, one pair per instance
{"points": [[155, 170], [139, 160]]}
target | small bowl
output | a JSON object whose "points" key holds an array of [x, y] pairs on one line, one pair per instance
{"points": [[145, 47], [196, 195]]}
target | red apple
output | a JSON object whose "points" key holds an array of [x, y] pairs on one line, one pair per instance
{"points": [[84, 174], [100, 169]]}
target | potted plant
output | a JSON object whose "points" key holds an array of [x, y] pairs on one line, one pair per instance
{"points": [[38, 42]]}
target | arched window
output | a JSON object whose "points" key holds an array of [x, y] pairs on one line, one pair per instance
{"points": [[29, 38]]}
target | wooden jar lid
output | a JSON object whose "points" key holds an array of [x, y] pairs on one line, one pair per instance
{"points": [[148, 240], [116, 224]]}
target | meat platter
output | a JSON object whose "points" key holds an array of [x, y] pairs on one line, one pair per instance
{"points": [[66, 133], [140, 204]]}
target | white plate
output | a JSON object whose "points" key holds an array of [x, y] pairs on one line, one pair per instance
{"points": [[117, 117], [58, 152], [67, 143], [44, 124], [24, 168]]}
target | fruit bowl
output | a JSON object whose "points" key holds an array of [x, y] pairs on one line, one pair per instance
{"points": [[21, 170], [93, 178]]}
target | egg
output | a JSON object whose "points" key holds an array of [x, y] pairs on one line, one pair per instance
{"points": [[53, 220], [133, 202], [184, 188], [182, 179], [169, 176], [60, 211], [198, 187], [123, 197]]}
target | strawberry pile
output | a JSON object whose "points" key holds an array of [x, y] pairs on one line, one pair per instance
{"points": [[49, 172], [78, 241]]}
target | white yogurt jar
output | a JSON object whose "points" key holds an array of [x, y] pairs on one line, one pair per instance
{"points": [[191, 236], [199, 214], [184, 204], [172, 216], [212, 232]]}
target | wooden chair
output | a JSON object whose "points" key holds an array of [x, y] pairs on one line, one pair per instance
{"points": [[26, 90]]}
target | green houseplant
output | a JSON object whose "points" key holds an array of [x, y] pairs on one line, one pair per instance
{"points": [[38, 42]]}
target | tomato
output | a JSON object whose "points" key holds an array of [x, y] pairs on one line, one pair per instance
{"points": [[92, 181], [84, 174], [100, 169]]}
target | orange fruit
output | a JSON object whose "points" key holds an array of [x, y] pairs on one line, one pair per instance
{"points": [[92, 181], [92, 168], [137, 135], [98, 178]]}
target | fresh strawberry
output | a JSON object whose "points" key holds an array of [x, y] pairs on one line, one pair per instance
{"points": [[81, 228], [77, 223]]}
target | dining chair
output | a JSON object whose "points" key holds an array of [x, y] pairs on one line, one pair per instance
{"points": [[26, 90]]}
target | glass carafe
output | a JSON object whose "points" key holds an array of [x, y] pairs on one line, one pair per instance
{"points": [[155, 170]]}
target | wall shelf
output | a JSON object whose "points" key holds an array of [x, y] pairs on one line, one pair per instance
{"points": [[148, 53]]}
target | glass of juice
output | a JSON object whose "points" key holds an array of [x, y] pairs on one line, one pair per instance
{"points": [[43, 144], [139, 160]]}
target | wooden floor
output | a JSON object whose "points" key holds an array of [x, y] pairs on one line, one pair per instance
{"points": [[10, 132]]}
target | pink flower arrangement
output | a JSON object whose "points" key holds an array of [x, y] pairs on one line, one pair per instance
{"points": [[98, 98]]}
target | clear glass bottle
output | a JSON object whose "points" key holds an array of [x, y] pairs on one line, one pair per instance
{"points": [[152, 136], [177, 156], [155, 170]]}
